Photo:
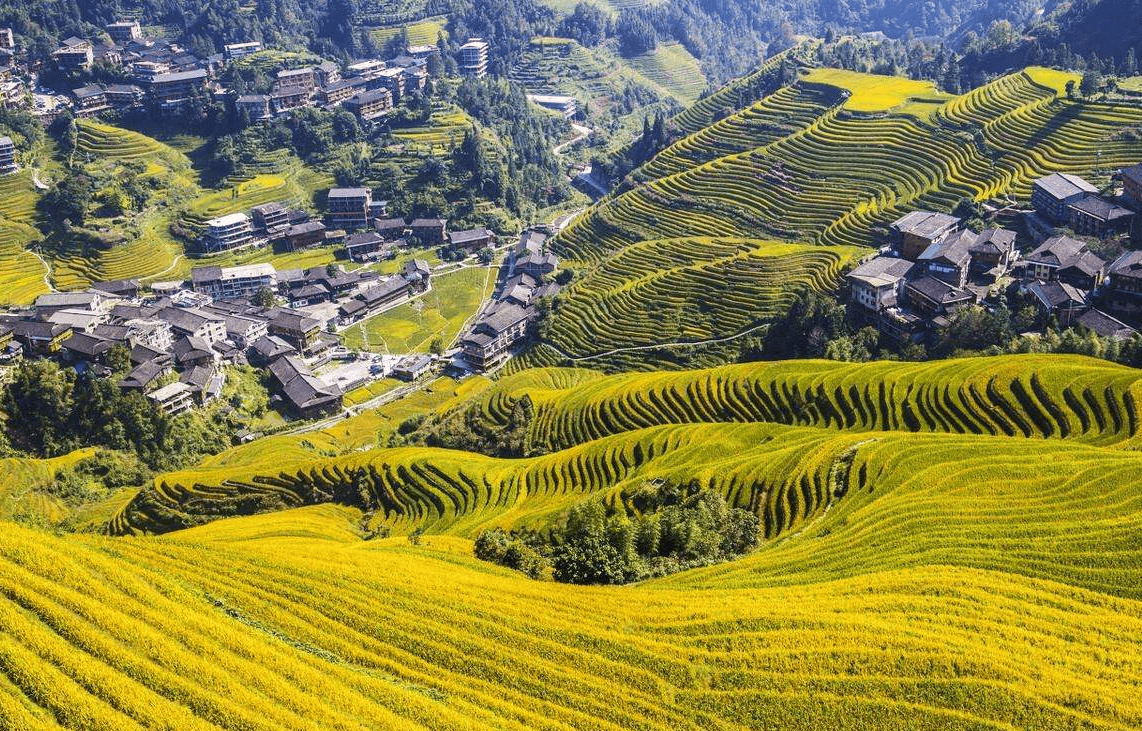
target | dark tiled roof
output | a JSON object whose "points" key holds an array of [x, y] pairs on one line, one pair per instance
{"points": [[1061, 186], [1105, 325]]}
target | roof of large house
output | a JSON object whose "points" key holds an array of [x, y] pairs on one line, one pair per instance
{"points": [[88, 345], [36, 330], [384, 290], [924, 223], [118, 287], [1134, 172], [504, 318], [1063, 185], [269, 208], [881, 271], [271, 346], [428, 223], [535, 259], [413, 363], [1103, 210], [180, 76], [85, 92], [292, 320], [1064, 252], [954, 249], [938, 291], [368, 238], [390, 223], [186, 320], [1105, 325], [191, 348], [368, 97], [473, 234], [348, 192], [1056, 294], [143, 375], [1128, 265], [299, 385], [994, 240], [68, 299]]}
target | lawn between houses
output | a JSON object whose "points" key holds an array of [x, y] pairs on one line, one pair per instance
{"points": [[440, 313]]}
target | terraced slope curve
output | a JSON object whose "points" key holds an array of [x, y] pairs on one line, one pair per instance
{"points": [[1052, 397], [829, 162], [303, 627], [631, 310]]}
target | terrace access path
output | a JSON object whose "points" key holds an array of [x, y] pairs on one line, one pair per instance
{"points": [[656, 346]]}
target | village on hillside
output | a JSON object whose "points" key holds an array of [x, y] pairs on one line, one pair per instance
{"points": [[932, 265]]}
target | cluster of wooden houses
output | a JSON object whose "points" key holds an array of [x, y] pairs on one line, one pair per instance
{"points": [[176, 80], [179, 335], [504, 324], [933, 265]]}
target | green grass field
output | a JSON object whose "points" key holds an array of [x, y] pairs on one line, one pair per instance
{"points": [[440, 314]]}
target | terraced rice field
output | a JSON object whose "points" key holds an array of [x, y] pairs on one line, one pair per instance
{"points": [[21, 273], [827, 162], [933, 578], [671, 67], [684, 291], [420, 33], [1063, 397], [445, 129]]}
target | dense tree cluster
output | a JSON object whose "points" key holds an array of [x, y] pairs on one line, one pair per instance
{"points": [[816, 327], [49, 411], [658, 529]]}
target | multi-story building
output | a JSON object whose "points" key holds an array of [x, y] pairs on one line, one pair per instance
{"points": [[90, 100], [74, 54], [369, 105], [7, 39], [8, 162], [255, 106], [429, 231], [368, 69], [1067, 260], [393, 79], [336, 92], [270, 216], [124, 31], [1132, 184], [1092, 215], [349, 207], [326, 73], [1052, 195], [174, 90], [173, 398], [121, 96], [877, 284], [912, 234], [296, 80], [493, 336], [192, 323], [286, 99], [145, 72], [232, 51], [565, 105], [227, 232], [229, 282], [473, 58]]}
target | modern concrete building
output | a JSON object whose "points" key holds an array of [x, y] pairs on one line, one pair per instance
{"points": [[473, 58], [227, 282], [227, 232]]}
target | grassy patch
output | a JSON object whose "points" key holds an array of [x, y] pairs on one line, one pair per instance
{"points": [[441, 313]]}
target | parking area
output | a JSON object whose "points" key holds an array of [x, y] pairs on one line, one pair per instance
{"points": [[355, 373]]}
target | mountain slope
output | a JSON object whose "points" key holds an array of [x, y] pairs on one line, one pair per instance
{"points": [[885, 146]]}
